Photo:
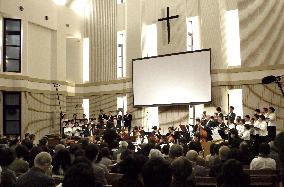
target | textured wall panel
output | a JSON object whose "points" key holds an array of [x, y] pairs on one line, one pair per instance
{"points": [[261, 26], [41, 113], [101, 29], [259, 96]]}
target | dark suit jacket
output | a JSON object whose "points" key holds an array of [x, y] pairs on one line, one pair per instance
{"points": [[127, 120], [231, 116], [35, 177]]}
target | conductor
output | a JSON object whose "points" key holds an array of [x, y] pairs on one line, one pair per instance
{"points": [[127, 120]]}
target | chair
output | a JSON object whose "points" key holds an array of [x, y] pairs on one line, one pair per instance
{"points": [[113, 177], [262, 181], [205, 181]]}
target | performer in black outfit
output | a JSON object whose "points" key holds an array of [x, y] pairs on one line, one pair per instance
{"points": [[101, 118], [127, 120], [231, 116], [118, 118]]}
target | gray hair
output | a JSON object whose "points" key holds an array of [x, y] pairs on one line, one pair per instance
{"points": [[42, 159], [123, 144], [155, 153], [175, 151], [192, 155]]}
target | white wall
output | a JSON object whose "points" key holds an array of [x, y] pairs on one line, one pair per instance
{"points": [[39, 51], [44, 41], [74, 69]]}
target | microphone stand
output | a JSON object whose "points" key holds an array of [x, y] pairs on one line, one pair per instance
{"points": [[280, 86], [56, 85]]}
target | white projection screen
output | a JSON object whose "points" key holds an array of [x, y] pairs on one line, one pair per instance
{"points": [[180, 78]]}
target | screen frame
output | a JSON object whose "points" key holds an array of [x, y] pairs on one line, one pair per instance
{"points": [[173, 54]]}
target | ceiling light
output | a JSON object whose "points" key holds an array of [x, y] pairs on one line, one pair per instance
{"points": [[60, 2]]}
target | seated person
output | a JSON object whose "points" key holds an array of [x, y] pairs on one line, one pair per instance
{"points": [[263, 161], [37, 176], [157, 172], [182, 170]]}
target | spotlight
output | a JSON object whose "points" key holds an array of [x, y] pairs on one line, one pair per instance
{"points": [[21, 8], [271, 79]]}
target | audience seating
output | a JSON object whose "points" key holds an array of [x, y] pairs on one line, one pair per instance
{"points": [[205, 181], [113, 177], [58, 179], [258, 178]]}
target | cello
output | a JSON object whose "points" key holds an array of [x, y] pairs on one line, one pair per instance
{"points": [[202, 133]]}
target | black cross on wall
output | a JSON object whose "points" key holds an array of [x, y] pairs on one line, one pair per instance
{"points": [[168, 18]]}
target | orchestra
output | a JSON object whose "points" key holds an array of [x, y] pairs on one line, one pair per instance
{"points": [[207, 128]]}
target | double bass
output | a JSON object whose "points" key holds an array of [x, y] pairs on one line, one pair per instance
{"points": [[201, 133]]}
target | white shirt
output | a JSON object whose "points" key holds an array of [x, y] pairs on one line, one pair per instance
{"points": [[240, 129], [246, 135], [232, 126], [248, 122], [256, 125], [262, 163], [272, 119], [263, 128]]}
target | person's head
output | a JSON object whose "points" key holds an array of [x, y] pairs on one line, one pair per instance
{"points": [[80, 175], [257, 111], [175, 151], [265, 110], [224, 153], [247, 118], [182, 169], [256, 116], [244, 147], [62, 159], [58, 147], [247, 127], [264, 149], [171, 129], [155, 153], [92, 152], [125, 154], [105, 152], [218, 109], [234, 133], [192, 155], [132, 166], [146, 148], [43, 161], [123, 144], [21, 151], [231, 108], [43, 142], [232, 173], [131, 147], [27, 135], [101, 111], [7, 156], [166, 149], [271, 110], [193, 145], [262, 117], [157, 172], [219, 119], [32, 137], [197, 121]]}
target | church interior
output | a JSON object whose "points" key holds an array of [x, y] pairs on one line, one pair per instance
{"points": [[86, 64]]}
